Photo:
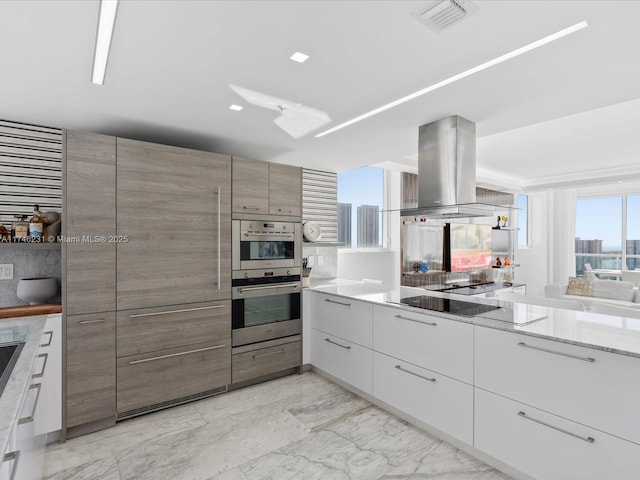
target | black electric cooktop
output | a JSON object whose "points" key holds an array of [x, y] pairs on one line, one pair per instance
{"points": [[447, 305]]}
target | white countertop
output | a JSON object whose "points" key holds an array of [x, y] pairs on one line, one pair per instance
{"points": [[593, 330], [12, 396]]}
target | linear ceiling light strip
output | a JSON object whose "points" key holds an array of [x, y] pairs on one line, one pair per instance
{"points": [[502, 58], [106, 22]]}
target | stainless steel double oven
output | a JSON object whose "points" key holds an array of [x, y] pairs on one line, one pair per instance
{"points": [[266, 260]]}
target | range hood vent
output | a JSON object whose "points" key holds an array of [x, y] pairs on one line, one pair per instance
{"points": [[447, 172]]}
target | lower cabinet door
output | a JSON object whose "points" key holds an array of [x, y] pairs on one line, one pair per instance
{"points": [[150, 379], [549, 447], [251, 364], [91, 370], [434, 399], [342, 359]]}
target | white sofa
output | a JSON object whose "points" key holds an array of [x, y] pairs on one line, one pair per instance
{"points": [[612, 292]]}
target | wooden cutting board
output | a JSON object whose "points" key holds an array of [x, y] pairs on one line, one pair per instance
{"points": [[26, 310]]}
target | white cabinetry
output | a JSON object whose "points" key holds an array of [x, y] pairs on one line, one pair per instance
{"points": [[435, 343], [434, 399], [549, 447], [589, 386], [48, 416], [341, 339], [344, 317], [344, 360]]}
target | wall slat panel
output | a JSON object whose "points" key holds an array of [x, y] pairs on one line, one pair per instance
{"points": [[320, 201], [30, 169]]}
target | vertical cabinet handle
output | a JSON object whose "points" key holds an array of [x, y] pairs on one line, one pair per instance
{"points": [[218, 193]]}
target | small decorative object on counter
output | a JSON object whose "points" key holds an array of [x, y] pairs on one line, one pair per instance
{"points": [[306, 271], [36, 225], [498, 262], [20, 228], [506, 262], [5, 234], [424, 267], [497, 227], [504, 219], [416, 266]]}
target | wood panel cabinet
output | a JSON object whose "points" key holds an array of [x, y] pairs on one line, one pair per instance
{"points": [[91, 372], [266, 188], [272, 357], [159, 328], [89, 223], [174, 207], [150, 379], [285, 190], [250, 186]]}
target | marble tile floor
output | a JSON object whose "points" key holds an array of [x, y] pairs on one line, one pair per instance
{"points": [[297, 427]]}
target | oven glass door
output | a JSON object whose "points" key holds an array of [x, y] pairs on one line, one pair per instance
{"points": [[266, 250], [254, 311]]}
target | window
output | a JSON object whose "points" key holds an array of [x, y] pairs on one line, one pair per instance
{"points": [[360, 201], [601, 224], [523, 220]]}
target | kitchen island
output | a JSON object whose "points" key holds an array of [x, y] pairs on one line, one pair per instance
{"points": [[537, 392]]}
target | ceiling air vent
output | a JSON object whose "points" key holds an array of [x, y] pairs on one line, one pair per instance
{"points": [[441, 14]]}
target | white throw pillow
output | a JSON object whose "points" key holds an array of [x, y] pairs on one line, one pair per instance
{"points": [[612, 289]]}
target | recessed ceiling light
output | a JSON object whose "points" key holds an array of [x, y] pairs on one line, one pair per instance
{"points": [[299, 57], [106, 21], [235, 107], [483, 66]]}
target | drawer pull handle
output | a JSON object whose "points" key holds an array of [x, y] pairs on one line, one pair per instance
{"points": [[12, 457], [586, 439], [346, 347], [86, 322], [44, 366], [160, 357], [29, 419], [260, 355], [555, 352], [48, 344], [182, 310], [288, 210], [339, 303], [250, 208], [415, 374], [433, 324]]}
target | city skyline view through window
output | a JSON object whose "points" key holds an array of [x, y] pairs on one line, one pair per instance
{"points": [[603, 226], [360, 200]]}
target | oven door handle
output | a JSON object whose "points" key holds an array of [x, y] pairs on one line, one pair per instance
{"points": [[269, 287], [285, 236]]}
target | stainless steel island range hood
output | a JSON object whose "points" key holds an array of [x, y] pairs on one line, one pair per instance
{"points": [[447, 171]]}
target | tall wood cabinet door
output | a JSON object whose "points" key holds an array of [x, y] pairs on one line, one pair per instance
{"points": [[90, 222], [285, 190], [174, 210], [91, 369], [250, 186]]}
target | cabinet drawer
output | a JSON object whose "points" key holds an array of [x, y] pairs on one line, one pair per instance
{"points": [[263, 361], [588, 386], [549, 447], [152, 378], [342, 359], [91, 372], [343, 317], [160, 328], [49, 409], [438, 344], [434, 399]]}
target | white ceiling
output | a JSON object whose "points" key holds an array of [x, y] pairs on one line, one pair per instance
{"points": [[567, 112]]}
